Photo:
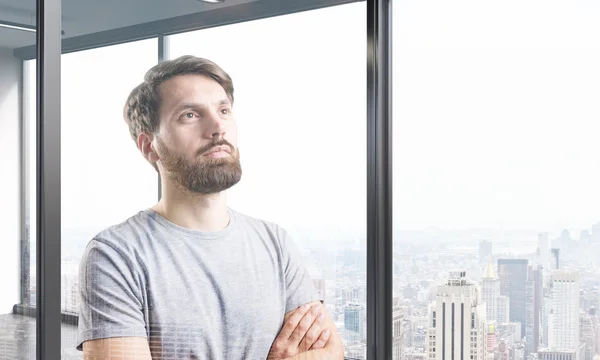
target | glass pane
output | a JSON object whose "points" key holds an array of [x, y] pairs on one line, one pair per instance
{"points": [[300, 95], [17, 181], [104, 180], [496, 173], [194, 275]]}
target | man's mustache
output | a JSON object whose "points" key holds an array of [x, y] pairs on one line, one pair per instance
{"points": [[222, 142]]}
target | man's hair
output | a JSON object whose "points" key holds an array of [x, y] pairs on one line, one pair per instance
{"points": [[141, 108]]}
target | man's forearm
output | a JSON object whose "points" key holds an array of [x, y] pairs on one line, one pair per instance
{"points": [[320, 354]]}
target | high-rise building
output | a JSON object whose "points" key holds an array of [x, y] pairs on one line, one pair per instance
{"points": [[513, 283], [397, 335], [538, 300], [503, 310], [595, 315], [407, 333], [485, 251], [354, 322], [544, 245], [534, 296], [529, 314], [563, 322], [586, 336], [537, 260], [545, 313], [555, 261], [457, 321], [490, 291]]}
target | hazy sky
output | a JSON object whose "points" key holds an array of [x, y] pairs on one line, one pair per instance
{"points": [[495, 117], [496, 113]]}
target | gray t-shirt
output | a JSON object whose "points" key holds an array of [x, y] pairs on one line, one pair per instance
{"points": [[192, 294]]}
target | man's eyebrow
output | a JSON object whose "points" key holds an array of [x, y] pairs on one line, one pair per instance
{"points": [[187, 105], [224, 102], [192, 105]]}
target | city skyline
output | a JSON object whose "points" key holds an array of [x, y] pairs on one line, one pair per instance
{"points": [[343, 283]]}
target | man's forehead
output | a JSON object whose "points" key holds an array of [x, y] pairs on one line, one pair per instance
{"points": [[192, 91], [198, 81]]}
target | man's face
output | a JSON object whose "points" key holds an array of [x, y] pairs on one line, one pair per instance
{"points": [[197, 137]]}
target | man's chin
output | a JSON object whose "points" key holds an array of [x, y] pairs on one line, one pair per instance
{"points": [[224, 183], [211, 190]]}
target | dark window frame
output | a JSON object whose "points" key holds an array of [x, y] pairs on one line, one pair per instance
{"points": [[48, 50]]}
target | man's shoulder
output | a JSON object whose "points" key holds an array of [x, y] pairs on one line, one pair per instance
{"points": [[124, 235], [249, 220], [261, 226]]}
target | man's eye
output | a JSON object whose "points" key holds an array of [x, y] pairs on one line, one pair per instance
{"points": [[225, 111], [189, 115]]}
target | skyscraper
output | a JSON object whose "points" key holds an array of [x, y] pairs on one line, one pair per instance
{"points": [[538, 300], [397, 335], [354, 316], [529, 324], [513, 279], [586, 336], [595, 316], [503, 309], [563, 322], [490, 291], [544, 245], [546, 308], [534, 297], [457, 321], [555, 261]]}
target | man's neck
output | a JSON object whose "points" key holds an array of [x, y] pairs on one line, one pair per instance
{"points": [[193, 211]]}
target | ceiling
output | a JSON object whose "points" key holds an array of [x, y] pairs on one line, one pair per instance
{"points": [[82, 17]]}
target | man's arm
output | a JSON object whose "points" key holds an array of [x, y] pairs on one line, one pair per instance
{"points": [[302, 330], [333, 349], [117, 349], [110, 308], [300, 290]]}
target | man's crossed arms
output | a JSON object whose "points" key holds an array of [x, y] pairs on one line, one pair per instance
{"points": [[308, 333]]}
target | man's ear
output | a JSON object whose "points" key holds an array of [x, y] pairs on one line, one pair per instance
{"points": [[145, 142]]}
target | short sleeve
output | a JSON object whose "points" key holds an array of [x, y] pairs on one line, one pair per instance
{"points": [[110, 296], [300, 287]]}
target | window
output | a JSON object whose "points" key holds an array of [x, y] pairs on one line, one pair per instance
{"points": [[300, 105], [28, 279], [495, 156], [17, 256], [105, 179]]}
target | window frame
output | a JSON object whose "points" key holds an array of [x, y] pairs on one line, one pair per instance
{"points": [[48, 50]]}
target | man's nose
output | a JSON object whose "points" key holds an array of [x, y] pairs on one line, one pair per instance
{"points": [[217, 126]]}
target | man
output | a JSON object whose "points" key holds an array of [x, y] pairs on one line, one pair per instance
{"points": [[191, 278]]}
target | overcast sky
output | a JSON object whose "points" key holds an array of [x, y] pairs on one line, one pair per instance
{"points": [[495, 117], [496, 112]]}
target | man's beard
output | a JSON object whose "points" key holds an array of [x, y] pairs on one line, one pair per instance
{"points": [[204, 175]]}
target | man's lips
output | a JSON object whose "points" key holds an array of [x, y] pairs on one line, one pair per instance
{"points": [[218, 150]]}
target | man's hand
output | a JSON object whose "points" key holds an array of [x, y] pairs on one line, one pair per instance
{"points": [[301, 332]]}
